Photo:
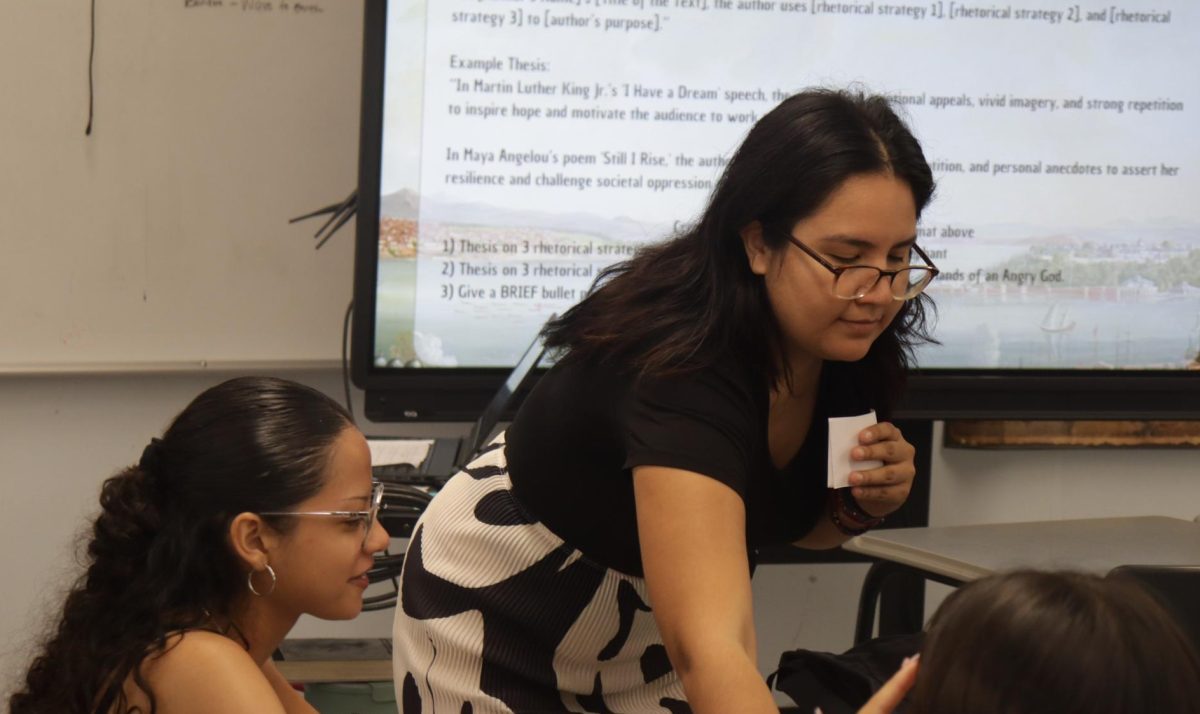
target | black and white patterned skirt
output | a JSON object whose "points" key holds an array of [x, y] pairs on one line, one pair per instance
{"points": [[498, 614]]}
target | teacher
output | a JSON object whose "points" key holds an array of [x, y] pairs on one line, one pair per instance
{"points": [[597, 557]]}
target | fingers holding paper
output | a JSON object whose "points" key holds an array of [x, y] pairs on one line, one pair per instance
{"points": [[883, 489]]}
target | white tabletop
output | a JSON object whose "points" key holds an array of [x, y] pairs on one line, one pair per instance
{"points": [[1095, 545]]}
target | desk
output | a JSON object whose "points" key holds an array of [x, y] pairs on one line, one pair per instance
{"points": [[335, 660], [957, 554], [335, 671]]}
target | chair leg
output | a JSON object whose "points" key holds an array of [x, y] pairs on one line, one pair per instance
{"points": [[868, 599], [902, 602], [905, 604]]}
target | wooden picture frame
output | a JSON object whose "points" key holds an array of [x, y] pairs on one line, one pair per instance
{"points": [[1010, 434]]}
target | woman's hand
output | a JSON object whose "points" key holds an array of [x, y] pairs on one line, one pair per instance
{"points": [[882, 490], [893, 691]]}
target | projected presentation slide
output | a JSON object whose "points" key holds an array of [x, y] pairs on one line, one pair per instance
{"points": [[529, 143]]}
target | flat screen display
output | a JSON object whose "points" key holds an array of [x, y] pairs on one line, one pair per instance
{"points": [[513, 148]]}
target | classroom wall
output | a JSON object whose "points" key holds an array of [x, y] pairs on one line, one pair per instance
{"points": [[62, 435], [123, 248], [162, 237]]}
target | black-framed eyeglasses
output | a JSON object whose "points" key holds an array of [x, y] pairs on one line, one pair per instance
{"points": [[851, 282], [366, 518]]}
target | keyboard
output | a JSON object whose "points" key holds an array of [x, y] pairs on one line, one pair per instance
{"points": [[406, 474]]}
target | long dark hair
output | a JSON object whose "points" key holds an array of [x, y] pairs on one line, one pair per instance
{"points": [[674, 306], [158, 560], [1055, 643]]}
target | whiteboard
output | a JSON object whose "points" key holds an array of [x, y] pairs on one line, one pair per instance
{"points": [[162, 239]]}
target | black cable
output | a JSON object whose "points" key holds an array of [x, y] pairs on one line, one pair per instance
{"points": [[385, 602], [346, 358], [387, 568], [91, 81]]}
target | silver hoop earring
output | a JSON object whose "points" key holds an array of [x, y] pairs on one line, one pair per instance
{"points": [[250, 582]]}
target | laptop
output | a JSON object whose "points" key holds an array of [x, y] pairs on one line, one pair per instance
{"points": [[449, 454]]}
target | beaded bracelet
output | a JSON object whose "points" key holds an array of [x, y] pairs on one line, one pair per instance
{"points": [[837, 522], [855, 511], [856, 525]]}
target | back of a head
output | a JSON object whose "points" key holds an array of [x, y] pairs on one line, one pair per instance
{"points": [[1055, 643]]}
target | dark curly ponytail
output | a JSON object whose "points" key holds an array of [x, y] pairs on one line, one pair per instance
{"points": [[157, 559]]}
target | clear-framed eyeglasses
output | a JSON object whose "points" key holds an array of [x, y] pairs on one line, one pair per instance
{"points": [[851, 282], [365, 518]]}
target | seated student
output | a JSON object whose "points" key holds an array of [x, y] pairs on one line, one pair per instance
{"points": [[1031, 642], [255, 507]]}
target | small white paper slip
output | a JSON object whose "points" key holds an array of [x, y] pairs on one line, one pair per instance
{"points": [[843, 437], [398, 451]]}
